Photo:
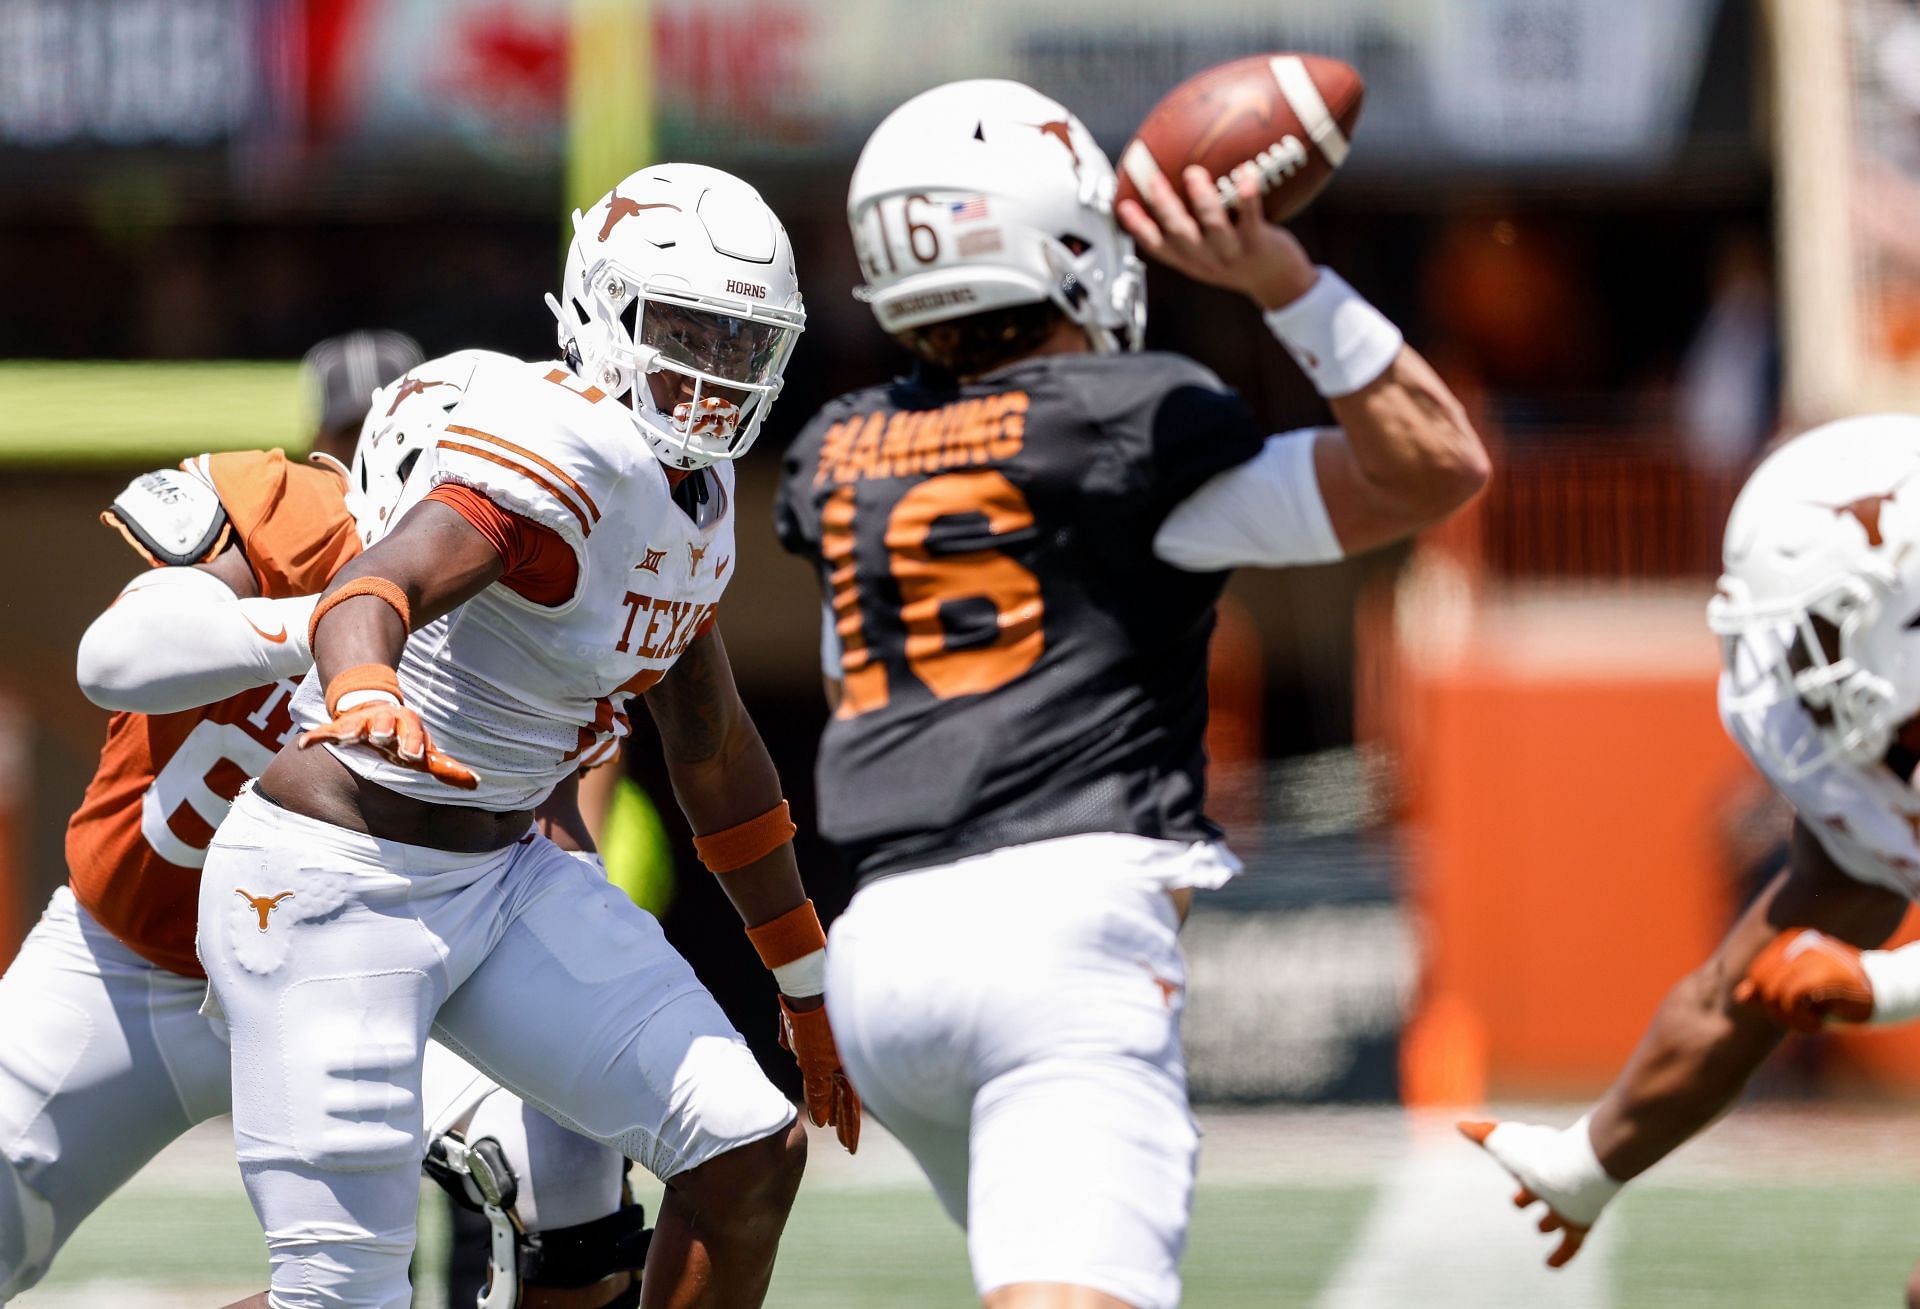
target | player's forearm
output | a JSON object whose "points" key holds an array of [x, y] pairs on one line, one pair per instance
{"points": [[725, 782], [732, 788], [179, 638], [1415, 450], [434, 560], [1688, 1069]]}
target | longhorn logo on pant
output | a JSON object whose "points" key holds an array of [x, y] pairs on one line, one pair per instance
{"points": [[263, 904]]}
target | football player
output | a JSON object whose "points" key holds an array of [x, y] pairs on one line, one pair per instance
{"points": [[199, 657], [562, 552], [1820, 688], [1021, 548]]}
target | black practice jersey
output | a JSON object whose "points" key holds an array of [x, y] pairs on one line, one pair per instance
{"points": [[1016, 663]]}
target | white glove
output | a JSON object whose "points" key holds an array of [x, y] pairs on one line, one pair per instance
{"points": [[1557, 1167]]}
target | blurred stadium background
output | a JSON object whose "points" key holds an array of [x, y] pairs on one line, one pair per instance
{"points": [[1487, 808]]}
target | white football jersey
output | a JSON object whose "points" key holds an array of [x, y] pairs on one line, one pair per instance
{"points": [[519, 691], [1863, 815]]}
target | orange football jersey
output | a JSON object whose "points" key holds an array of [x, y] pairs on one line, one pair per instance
{"points": [[136, 844]]}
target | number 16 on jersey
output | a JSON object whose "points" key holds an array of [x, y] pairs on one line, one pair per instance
{"points": [[920, 621]]}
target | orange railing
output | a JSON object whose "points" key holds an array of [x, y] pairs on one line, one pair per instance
{"points": [[1603, 506]]}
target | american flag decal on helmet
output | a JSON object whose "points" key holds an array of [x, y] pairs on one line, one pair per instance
{"points": [[969, 210]]}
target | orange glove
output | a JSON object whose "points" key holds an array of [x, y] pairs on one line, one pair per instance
{"points": [[831, 1099], [1805, 977], [397, 734]]}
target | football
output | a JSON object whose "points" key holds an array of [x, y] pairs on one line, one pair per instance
{"points": [[1290, 115]]}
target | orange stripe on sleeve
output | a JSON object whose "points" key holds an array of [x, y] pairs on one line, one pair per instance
{"points": [[586, 528], [531, 457]]}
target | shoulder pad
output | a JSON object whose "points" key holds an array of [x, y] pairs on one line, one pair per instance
{"points": [[538, 443], [172, 517]]}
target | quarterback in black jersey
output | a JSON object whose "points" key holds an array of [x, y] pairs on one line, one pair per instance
{"points": [[1021, 547]]}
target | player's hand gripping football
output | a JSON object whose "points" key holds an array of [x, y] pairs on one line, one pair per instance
{"points": [[831, 1099], [1553, 1166], [1239, 250], [1805, 977], [396, 733]]}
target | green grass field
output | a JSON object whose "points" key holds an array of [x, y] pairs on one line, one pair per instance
{"points": [[64, 414], [1749, 1234]]}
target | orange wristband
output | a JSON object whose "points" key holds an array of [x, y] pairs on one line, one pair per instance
{"points": [[793, 935], [377, 587], [743, 843], [361, 677]]}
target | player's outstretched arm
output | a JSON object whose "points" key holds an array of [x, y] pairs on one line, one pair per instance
{"points": [[432, 562], [194, 628], [726, 784], [1405, 455], [1695, 1057], [181, 637]]}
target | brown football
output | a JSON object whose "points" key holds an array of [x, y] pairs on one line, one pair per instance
{"points": [[1290, 115]]}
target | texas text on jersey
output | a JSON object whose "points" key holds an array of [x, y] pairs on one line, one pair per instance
{"points": [[135, 866], [988, 547], [532, 676]]}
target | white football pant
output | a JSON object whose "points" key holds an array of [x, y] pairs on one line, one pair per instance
{"points": [[333, 955], [1014, 1018], [105, 1059]]}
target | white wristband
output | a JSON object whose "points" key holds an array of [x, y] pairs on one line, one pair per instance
{"points": [[804, 977], [1895, 978], [1337, 338], [1588, 1184], [354, 699]]}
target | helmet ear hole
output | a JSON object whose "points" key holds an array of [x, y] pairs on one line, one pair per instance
{"points": [[580, 312], [406, 466], [630, 318]]}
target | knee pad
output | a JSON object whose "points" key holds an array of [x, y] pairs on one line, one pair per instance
{"points": [[27, 1242], [478, 1177]]}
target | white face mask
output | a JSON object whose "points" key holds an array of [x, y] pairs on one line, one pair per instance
{"points": [[1807, 654]]}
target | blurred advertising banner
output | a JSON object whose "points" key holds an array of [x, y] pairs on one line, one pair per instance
{"points": [[347, 101], [82, 74]]}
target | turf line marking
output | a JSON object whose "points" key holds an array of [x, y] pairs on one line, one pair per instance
{"points": [[1443, 1235]]}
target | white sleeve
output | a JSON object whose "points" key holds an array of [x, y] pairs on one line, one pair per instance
{"points": [[178, 638], [1267, 512]]}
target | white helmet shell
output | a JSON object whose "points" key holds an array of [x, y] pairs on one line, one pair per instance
{"points": [[680, 294], [983, 194], [401, 424], [1820, 597]]}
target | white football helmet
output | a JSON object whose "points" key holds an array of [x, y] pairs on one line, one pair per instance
{"points": [[680, 295], [1820, 600], [983, 194], [401, 424]]}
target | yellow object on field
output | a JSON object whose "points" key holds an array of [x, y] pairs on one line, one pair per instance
{"points": [[100, 411], [634, 844], [609, 98]]}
